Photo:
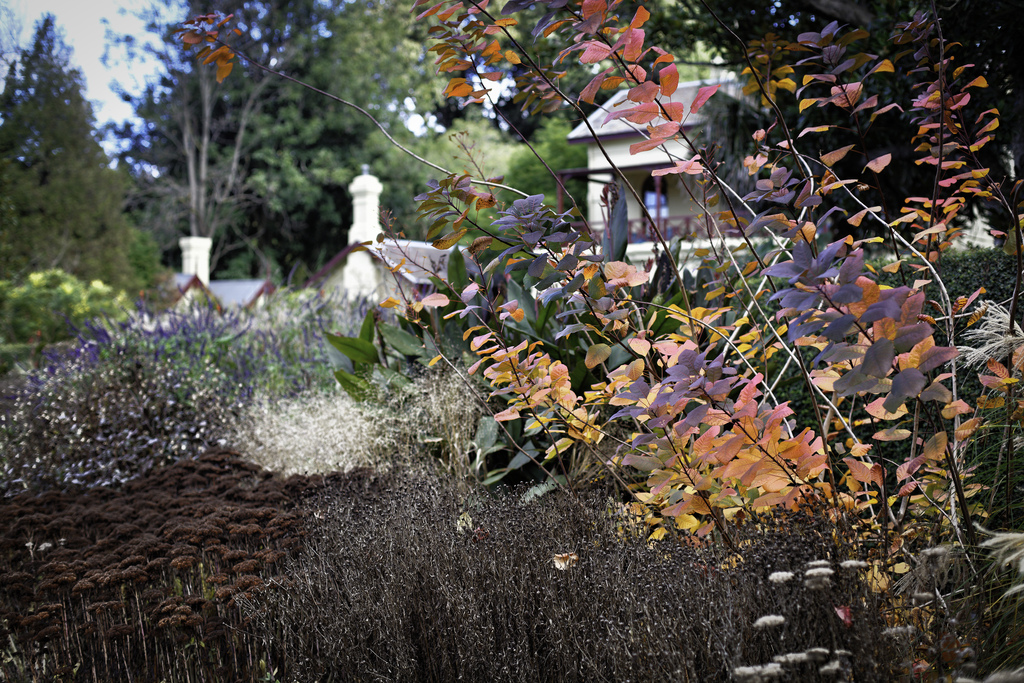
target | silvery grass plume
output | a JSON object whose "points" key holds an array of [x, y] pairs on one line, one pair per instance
{"points": [[1007, 548], [316, 433], [991, 339]]}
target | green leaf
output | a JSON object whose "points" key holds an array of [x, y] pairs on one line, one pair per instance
{"points": [[359, 350], [401, 341], [457, 276], [356, 387], [618, 230], [366, 330], [486, 433], [494, 476], [518, 461]]}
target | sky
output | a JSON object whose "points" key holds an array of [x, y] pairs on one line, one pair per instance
{"points": [[84, 30]]}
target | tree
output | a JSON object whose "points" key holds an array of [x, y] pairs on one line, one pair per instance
{"points": [[66, 200], [260, 164]]}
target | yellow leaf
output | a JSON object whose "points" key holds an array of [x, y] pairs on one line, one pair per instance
{"points": [[687, 523], [433, 361], [835, 156], [390, 302], [512, 57], [449, 240]]}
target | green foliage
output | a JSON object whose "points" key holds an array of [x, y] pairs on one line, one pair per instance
{"points": [[50, 305], [527, 173], [65, 202], [278, 158]]}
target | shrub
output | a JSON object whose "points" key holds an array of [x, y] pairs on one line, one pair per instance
{"points": [[127, 396], [49, 304]]}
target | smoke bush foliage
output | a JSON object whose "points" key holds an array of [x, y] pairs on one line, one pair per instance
{"points": [[405, 583]]}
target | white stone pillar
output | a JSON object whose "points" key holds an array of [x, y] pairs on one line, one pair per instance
{"points": [[362, 276], [195, 257], [365, 190]]}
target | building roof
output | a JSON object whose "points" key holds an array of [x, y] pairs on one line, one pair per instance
{"points": [[239, 292], [685, 94]]}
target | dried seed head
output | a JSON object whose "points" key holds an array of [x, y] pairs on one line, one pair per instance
{"points": [[769, 621]]}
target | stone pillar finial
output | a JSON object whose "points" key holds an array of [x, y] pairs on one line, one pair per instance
{"points": [[195, 257], [365, 190]]}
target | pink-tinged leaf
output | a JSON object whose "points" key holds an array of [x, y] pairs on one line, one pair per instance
{"points": [[594, 52], [645, 145], [889, 107], [907, 489], [879, 163], [434, 300], [640, 346], [590, 92], [641, 113], [863, 473], [634, 44], [814, 129], [645, 92], [669, 78], [892, 434], [703, 95], [469, 292], [846, 614], [690, 167], [908, 468], [876, 410], [506, 415], [675, 110]]}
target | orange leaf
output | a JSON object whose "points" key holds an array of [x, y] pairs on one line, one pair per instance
{"points": [[669, 77], [223, 70], [641, 16]]}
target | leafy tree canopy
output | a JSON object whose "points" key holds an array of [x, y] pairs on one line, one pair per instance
{"points": [[65, 202]]}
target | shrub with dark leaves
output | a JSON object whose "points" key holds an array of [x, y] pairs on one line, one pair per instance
{"points": [[410, 585]]}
